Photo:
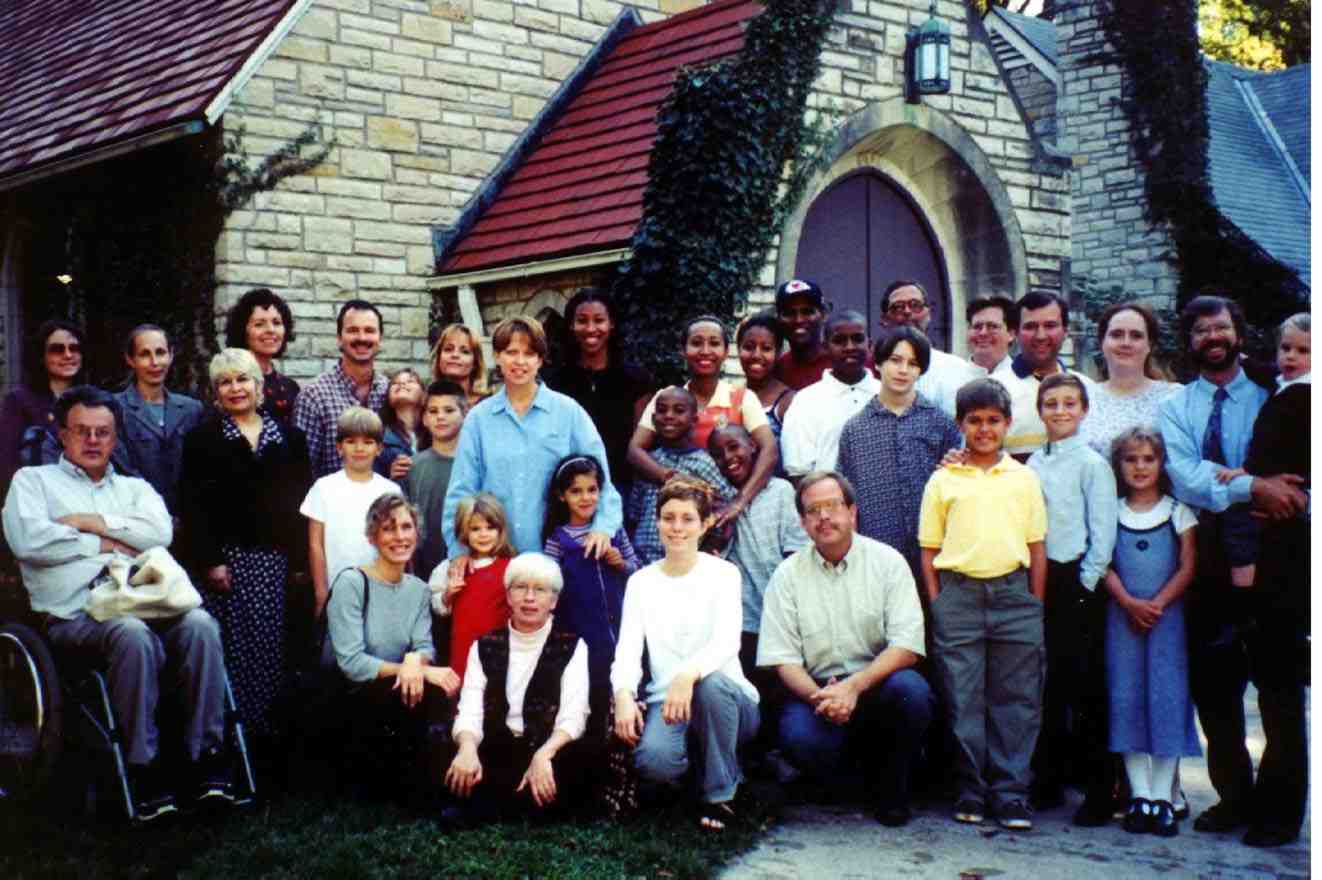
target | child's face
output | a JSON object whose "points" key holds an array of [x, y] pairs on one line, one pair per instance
{"points": [[443, 416], [757, 353], [672, 417], [482, 535], [1294, 354], [901, 370], [734, 454], [984, 431], [1062, 410], [1140, 467], [405, 389], [358, 452], [680, 525], [581, 498]]}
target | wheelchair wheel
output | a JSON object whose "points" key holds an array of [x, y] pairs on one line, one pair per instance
{"points": [[31, 712]]}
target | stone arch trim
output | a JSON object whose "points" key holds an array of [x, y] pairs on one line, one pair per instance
{"points": [[951, 182]]}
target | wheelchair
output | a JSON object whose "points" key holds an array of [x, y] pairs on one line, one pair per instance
{"points": [[58, 732]]}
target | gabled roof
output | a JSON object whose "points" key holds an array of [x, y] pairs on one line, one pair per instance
{"points": [[1259, 125], [82, 78], [579, 187]]}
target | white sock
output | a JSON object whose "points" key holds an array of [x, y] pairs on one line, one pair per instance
{"points": [[1139, 771], [1163, 776]]}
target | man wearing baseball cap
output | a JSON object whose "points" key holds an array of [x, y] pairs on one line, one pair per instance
{"points": [[800, 309]]}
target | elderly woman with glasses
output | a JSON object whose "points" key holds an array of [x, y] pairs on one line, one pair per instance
{"points": [[523, 707], [246, 473]]}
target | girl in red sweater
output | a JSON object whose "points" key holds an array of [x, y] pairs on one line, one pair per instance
{"points": [[478, 603]]}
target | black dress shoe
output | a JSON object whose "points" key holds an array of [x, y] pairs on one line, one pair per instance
{"points": [[1266, 837], [1163, 820], [894, 817], [1219, 817], [1138, 819], [1093, 813]]}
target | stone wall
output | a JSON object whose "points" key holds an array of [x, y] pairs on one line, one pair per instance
{"points": [[1112, 245], [420, 99], [1037, 96]]}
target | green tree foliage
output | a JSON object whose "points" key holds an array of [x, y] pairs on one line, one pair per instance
{"points": [[733, 154], [1262, 34], [1166, 104]]}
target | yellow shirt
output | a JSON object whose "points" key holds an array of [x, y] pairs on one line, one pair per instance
{"points": [[982, 521]]}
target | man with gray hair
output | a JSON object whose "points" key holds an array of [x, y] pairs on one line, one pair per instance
{"points": [[65, 522], [842, 626]]}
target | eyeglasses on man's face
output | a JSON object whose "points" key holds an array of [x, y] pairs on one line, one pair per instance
{"points": [[906, 306], [824, 508]]}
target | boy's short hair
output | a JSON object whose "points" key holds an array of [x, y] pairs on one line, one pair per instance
{"points": [[530, 327], [814, 477], [684, 487], [682, 392], [446, 388], [1300, 321], [359, 421], [738, 430], [1062, 380], [885, 347], [982, 394], [535, 568]]}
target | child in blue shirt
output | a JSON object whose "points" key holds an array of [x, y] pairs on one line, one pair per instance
{"points": [[1078, 486]]}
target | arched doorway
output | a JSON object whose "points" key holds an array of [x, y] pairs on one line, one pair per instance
{"points": [[861, 234]]}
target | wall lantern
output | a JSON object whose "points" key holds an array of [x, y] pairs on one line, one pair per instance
{"points": [[927, 58]]}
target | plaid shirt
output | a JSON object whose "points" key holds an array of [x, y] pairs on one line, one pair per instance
{"points": [[320, 404], [641, 508], [889, 459]]}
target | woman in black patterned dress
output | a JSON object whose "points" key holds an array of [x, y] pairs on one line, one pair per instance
{"points": [[244, 474]]}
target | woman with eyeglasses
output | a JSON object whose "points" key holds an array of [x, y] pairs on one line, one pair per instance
{"points": [[518, 736], [27, 426]]}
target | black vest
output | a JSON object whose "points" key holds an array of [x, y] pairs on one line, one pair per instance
{"points": [[541, 702]]}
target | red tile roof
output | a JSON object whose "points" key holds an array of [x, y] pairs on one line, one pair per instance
{"points": [[78, 75], [581, 187]]}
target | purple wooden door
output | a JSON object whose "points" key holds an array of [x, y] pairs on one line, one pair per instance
{"points": [[860, 235]]}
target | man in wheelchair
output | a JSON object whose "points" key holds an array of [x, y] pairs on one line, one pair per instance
{"points": [[64, 522]]}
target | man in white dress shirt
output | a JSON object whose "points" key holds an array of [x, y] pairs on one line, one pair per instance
{"points": [[992, 323], [905, 302], [810, 439]]}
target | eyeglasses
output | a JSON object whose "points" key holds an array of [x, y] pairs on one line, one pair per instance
{"points": [[824, 508], [1202, 331], [82, 432], [64, 348], [538, 590], [900, 307]]}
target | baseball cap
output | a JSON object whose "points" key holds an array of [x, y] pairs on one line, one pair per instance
{"points": [[799, 287]]}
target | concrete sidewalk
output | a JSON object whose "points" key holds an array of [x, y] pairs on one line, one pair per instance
{"points": [[823, 842]]}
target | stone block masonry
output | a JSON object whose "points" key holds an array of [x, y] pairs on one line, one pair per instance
{"points": [[420, 99], [1112, 245]]}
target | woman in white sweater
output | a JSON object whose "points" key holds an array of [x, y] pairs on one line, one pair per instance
{"points": [[686, 609]]}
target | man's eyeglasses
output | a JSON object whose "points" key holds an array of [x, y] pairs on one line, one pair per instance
{"points": [[63, 348], [824, 508], [900, 307], [82, 432], [541, 591]]}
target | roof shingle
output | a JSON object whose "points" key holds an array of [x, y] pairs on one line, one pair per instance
{"points": [[80, 75], [581, 187]]}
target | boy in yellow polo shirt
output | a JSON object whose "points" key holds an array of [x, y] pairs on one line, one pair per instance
{"points": [[981, 529]]}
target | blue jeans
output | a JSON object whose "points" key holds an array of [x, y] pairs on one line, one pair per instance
{"points": [[885, 730]]}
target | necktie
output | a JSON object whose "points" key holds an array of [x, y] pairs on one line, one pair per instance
{"points": [[1212, 450]]}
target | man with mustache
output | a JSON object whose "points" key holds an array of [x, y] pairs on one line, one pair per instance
{"points": [[353, 381], [810, 440], [1207, 426]]}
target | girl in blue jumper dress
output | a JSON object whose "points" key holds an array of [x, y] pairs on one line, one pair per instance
{"points": [[1147, 662], [593, 595]]}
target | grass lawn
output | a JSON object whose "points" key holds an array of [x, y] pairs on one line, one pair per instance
{"points": [[312, 836]]}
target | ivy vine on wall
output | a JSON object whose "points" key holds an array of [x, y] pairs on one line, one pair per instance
{"points": [[733, 155], [1165, 100]]}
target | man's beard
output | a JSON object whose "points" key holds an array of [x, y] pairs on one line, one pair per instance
{"points": [[1232, 350]]}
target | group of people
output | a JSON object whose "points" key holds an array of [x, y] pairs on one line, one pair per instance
{"points": [[557, 591]]}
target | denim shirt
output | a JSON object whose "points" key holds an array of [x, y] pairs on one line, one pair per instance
{"points": [[514, 457]]}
